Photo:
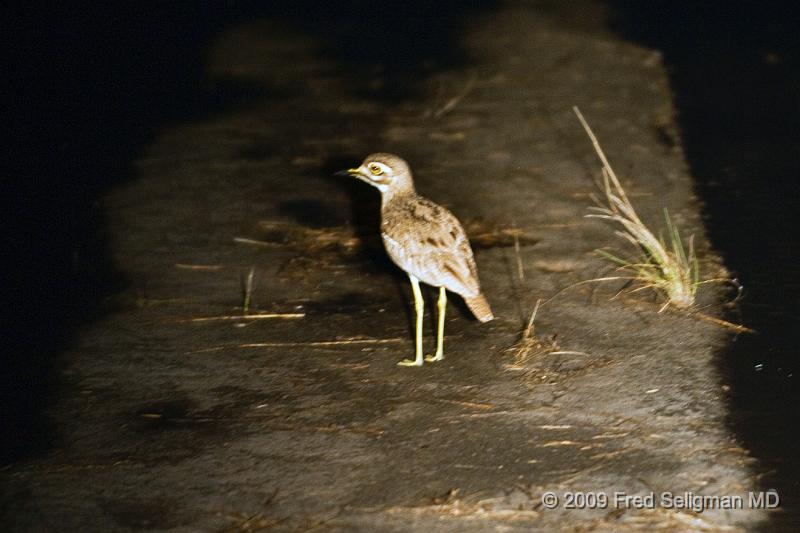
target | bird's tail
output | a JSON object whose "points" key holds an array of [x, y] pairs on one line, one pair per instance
{"points": [[480, 308]]}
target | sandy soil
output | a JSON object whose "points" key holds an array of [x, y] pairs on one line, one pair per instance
{"points": [[176, 418]]}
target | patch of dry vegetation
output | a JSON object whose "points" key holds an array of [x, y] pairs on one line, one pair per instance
{"points": [[665, 266], [529, 345], [668, 267]]}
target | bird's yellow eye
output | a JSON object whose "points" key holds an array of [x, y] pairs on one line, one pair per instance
{"points": [[375, 169]]}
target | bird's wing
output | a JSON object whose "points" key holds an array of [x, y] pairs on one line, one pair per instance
{"points": [[457, 267], [435, 250]]}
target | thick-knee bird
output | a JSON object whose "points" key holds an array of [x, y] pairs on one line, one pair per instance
{"points": [[426, 241]]}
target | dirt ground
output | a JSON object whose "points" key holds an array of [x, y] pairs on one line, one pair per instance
{"points": [[178, 414]]}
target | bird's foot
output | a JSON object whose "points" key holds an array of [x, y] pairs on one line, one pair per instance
{"points": [[433, 358], [410, 362]]}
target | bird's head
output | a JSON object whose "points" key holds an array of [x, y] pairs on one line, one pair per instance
{"points": [[388, 172]]}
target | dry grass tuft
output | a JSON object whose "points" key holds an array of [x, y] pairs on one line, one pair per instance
{"points": [[669, 268], [529, 345]]}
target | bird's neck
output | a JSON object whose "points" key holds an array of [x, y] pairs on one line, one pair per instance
{"points": [[397, 194]]}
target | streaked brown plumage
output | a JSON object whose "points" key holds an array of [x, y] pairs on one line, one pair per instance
{"points": [[425, 240], [428, 242]]}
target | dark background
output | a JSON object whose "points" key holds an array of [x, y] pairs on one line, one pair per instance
{"points": [[89, 86], [735, 72]]}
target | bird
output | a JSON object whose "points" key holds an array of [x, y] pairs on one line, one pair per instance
{"points": [[426, 241]]}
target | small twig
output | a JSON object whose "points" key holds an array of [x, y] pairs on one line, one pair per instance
{"points": [[248, 291], [584, 282], [209, 268], [520, 268], [471, 405], [606, 165], [241, 317], [625, 286], [320, 343], [724, 323], [244, 240], [529, 328], [454, 101], [317, 344]]}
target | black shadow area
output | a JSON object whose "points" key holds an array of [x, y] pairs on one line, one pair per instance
{"points": [[87, 86], [385, 48], [735, 71]]}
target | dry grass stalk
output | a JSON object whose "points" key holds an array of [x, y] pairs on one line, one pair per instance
{"points": [[207, 268], [454, 101], [247, 291], [312, 344], [738, 328], [520, 268], [259, 316]]}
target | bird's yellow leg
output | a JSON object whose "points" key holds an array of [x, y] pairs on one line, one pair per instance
{"points": [[440, 330], [419, 308]]}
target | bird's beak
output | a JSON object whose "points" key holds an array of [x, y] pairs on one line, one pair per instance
{"points": [[349, 172]]}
